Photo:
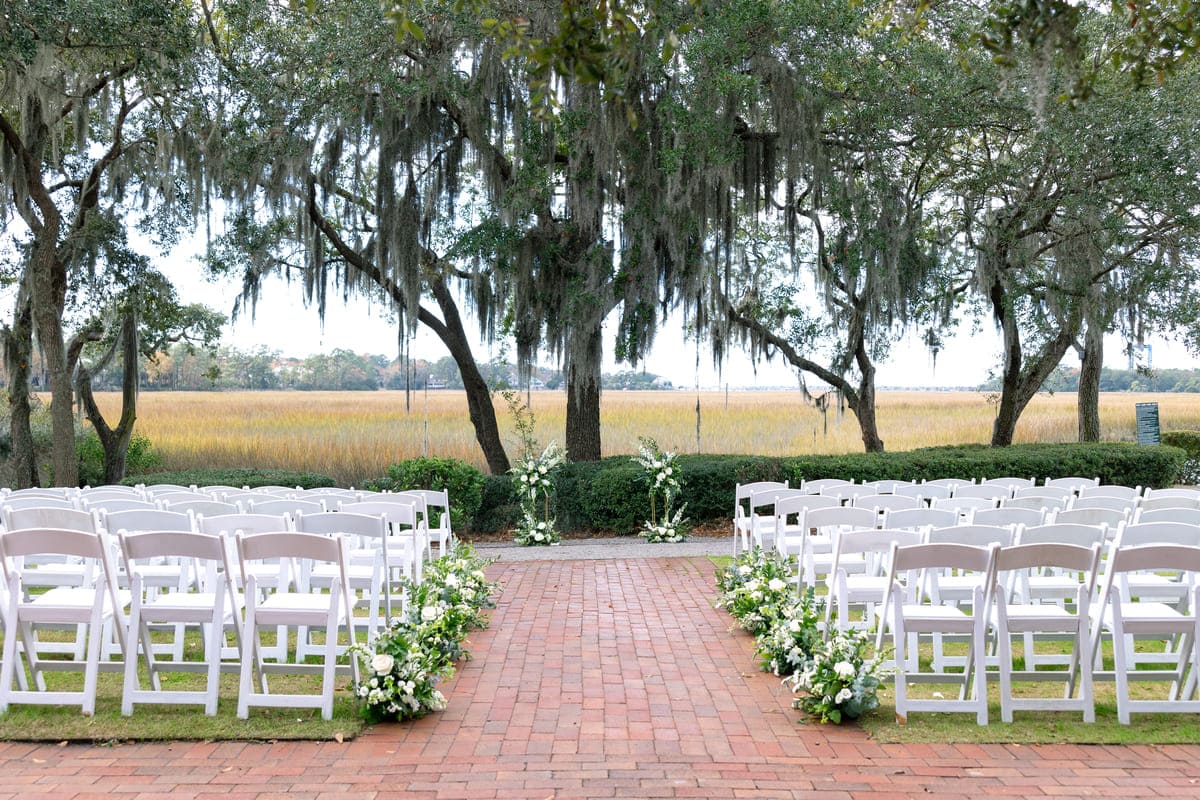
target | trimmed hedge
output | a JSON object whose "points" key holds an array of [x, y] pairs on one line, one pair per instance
{"points": [[611, 495], [234, 477], [1188, 441], [463, 483]]}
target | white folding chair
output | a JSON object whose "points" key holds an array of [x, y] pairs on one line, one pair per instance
{"points": [[367, 569], [789, 537], [985, 491], [1063, 493], [1123, 505], [819, 485], [404, 527], [1071, 483], [266, 504], [887, 502], [1108, 517], [888, 486], [822, 526], [106, 504], [329, 611], [1012, 484], [437, 519], [205, 508], [923, 491], [910, 612], [36, 501], [214, 609], [1188, 516], [1127, 617], [865, 585], [1011, 615], [761, 515], [1190, 494], [96, 607], [963, 506], [1112, 490], [1169, 501], [949, 483], [1007, 516], [1038, 502]]}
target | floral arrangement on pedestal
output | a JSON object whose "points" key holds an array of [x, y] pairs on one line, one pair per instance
{"points": [[534, 480], [403, 665], [662, 471]]}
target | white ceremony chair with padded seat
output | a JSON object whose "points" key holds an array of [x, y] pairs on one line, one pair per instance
{"points": [[789, 513], [822, 526], [50, 569], [214, 609], [910, 613], [437, 509], [1072, 483], [1033, 621], [420, 532], [865, 585], [331, 611], [1112, 490], [1127, 617], [1108, 517], [366, 570], [920, 518], [94, 606], [1123, 505]]}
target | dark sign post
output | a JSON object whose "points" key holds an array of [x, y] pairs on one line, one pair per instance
{"points": [[1147, 423]]}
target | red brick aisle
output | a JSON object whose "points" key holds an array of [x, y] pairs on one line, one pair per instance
{"points": [[602, 679]]}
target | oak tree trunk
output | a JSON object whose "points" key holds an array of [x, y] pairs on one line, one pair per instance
{"points": [[1089, 384], [18, 352], [583, 398]]}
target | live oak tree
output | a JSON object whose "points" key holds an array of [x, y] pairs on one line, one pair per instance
{"points": [[87, 118]]}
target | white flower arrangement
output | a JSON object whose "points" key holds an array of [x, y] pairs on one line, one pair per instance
{"points": [[663, 474], [840, 682], [534, 481]]}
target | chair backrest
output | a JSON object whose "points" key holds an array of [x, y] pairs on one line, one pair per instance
{"points": [[37, 501], [106, 504], [886, 502], [988, 491], [284, 491], [404, 515], [918, 518], [184, 496], [743, 490], [819, 485], [437, 502], [1064, 533], [871, 541], [289, 546], [238, 497], [972, 535], [763, 503], [1010, 483], [1038, 502], [112, 493], [1072, 483], [1008, 515], [925, 491], [273, 505], [1168, 501], [158, 489], [962, 505], [329, 495], [1092, 516], [1038, 556], [246, 523], [949, 483], [149, 545], [217, 489], [1157, 533], [343, 522], [931, 557], [1156, 558], [1191, 516], [1112, 490], [887, 486], [839, 517], [51, 492], [208, 508], [847, 491], [1063, 493], [57, 518], [135, 520], [1122, 504]]}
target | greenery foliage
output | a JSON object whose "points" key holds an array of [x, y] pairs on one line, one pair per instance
{"points": [[139, 458], [1189, 443], [463, 483], [662, 474]]}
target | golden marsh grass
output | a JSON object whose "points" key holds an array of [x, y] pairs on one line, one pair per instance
{"points": [[354, 436]]}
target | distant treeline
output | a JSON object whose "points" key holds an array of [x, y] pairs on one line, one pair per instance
{"points": [[1066, 379], [228, 368]]}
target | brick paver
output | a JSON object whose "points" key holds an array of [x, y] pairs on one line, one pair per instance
{"points": [[602, 679]]}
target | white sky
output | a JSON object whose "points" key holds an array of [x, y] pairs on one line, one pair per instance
{"points": [[282, 323]]}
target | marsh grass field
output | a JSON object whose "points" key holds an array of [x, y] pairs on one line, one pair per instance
{"points": [[354, 436]]}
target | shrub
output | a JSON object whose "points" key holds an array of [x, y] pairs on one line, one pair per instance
{"points": [[1189, 443], [234, 477], [140, 457], [463, 482]]}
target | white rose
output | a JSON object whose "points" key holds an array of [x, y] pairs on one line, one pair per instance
{"points": [[537, 537], [794, 626], [844, 669], [382, 663], [744, 569], [429, 613], [452, 581], [843, 696], [776, 585], [752, 586]]}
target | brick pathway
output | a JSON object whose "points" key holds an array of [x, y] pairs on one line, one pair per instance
{"points": [[602, 679]]}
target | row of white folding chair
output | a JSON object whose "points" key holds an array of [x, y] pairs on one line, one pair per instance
{"points": [[99, 608]]}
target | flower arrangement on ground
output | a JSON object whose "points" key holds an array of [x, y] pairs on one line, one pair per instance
{"points": [[788, 644], [403, 665], [840, 682], [663, 474], [534, 480], [757, 588]]}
